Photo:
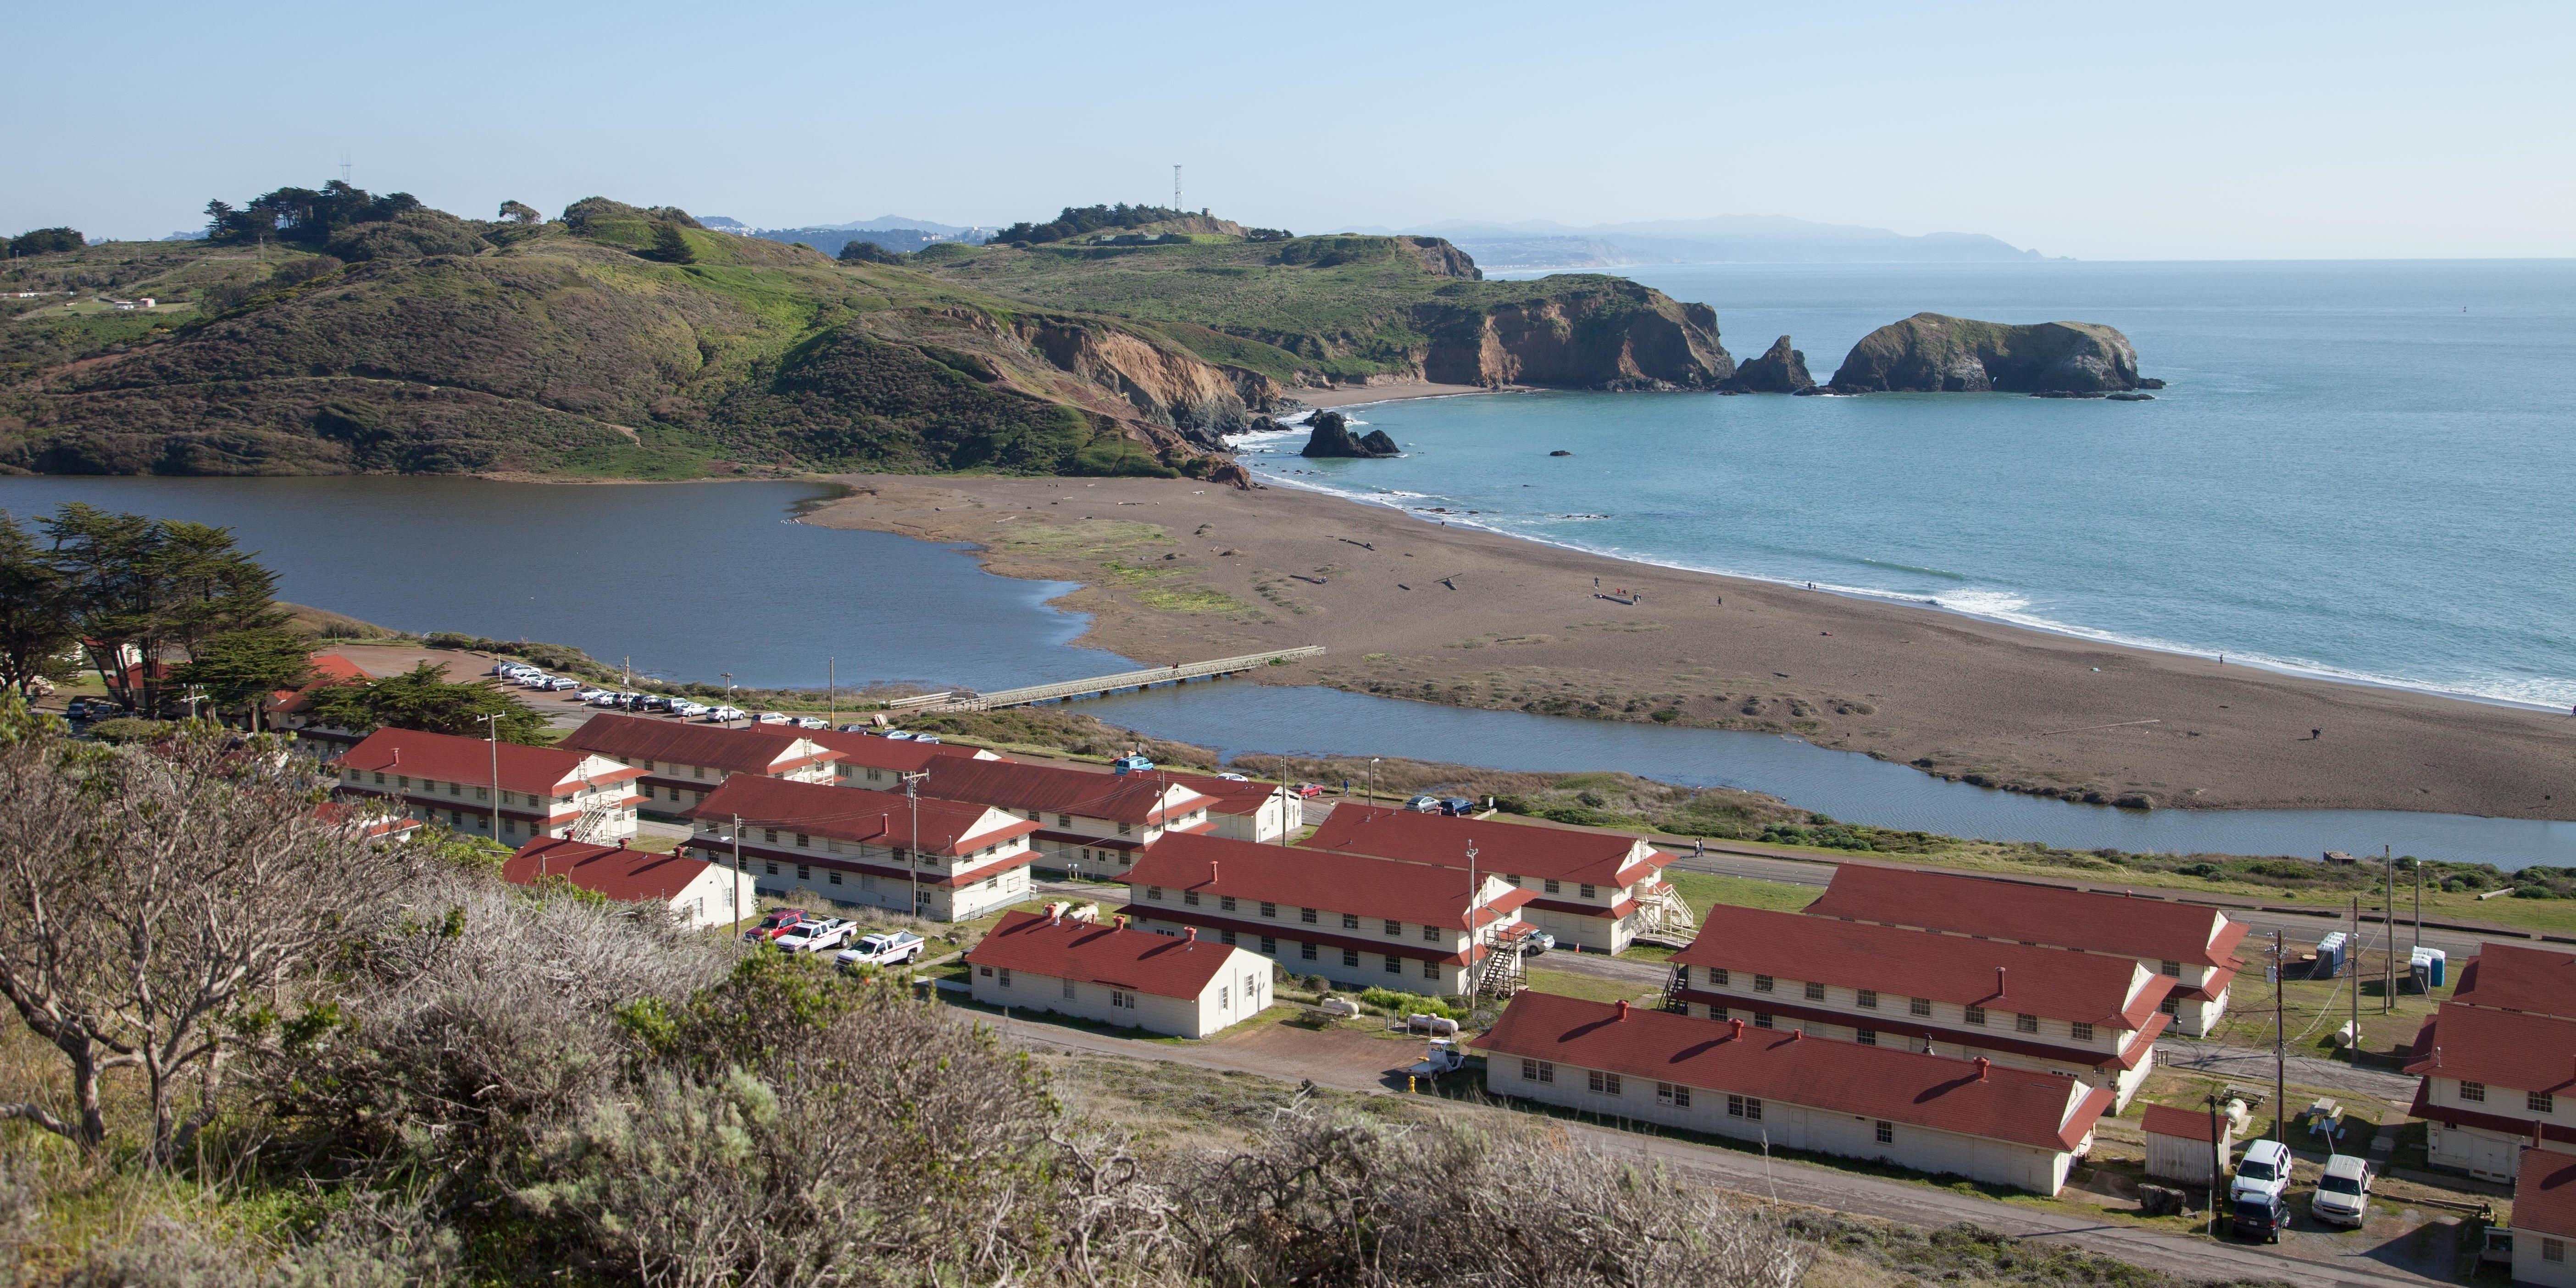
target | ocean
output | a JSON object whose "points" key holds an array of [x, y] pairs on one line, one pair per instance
{"points": [[2359, 470]]}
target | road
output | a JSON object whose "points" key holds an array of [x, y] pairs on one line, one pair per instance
{"points": [[2300, 1258]]}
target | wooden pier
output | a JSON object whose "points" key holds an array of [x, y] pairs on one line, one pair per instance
{"points": [[1098, 685]]}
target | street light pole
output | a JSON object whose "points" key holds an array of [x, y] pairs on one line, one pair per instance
{"points": [[737, 878], [912, 860], [492, 725]]}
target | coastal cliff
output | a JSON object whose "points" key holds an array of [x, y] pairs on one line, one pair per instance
{"points": [[1932, 353], [1165, 386], [1609, 334]]}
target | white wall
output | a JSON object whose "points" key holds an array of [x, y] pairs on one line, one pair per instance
{"points": [[1239, 991], [2529, 1266]]}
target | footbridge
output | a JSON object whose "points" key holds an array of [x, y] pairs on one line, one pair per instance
{"points": [[1099, 685]]}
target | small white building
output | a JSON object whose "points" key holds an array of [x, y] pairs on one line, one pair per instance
{"points": [[1186, 987], [702, 893], [2544, 1219], [1248, 810], [2180, 1145]]}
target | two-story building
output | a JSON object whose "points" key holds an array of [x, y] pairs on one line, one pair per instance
{"points": [[1356, 920], [1090, 823], [1246, 810], [2080, 1015], [442, 778], [1935, 1114], [1596, 891], [699, 892], [2544, 1219], [1187, 986], [288, 710], [2195, 946], [2498, 1062], [879, 763], [939, 860], [682, 763]]}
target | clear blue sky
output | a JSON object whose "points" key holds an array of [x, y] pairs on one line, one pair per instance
{"points": [[2100, 131]]}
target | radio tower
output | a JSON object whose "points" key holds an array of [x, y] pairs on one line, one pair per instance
{"points": [[1176, 187], [344, 167]]}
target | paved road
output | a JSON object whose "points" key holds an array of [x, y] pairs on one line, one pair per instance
{"points": [[2302, 1258]]}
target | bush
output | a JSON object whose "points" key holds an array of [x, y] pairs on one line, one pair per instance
{"points": [[1399, 1003]]}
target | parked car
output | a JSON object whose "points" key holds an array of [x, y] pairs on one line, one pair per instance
{"points": [[91, 709], [1445, 1057], [931, 738], [2260, 1216], [2263, 1172], [589, 694], [854, 728], [816, 936], [653, 702], [2342, 1196], [687, 710], [775, 923], [772, 718], [608, 698], [1308, 791], [1457, 807], [1424, 804], [899, 735], [1131, 765], [724, 715], [812, 722], [885, 948], [1234, 778], [562, 684]]}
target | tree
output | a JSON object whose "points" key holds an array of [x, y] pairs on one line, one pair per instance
{"points": [[422, 698], [37, 612], [671, 246], [241, 668], [146, 587], [518, 213], [45, 241], [857, 251], [153, 900]]}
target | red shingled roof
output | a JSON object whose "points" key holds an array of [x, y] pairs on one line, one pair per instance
{"points": [[2187, 1124], [2042, 1110], [857, 814], [1373, 887], [328, 668], [1519, 849], [1231, 797], [873, 751], [757, 750], [2148, 929], [2544, 1192], [2510, 977], [2050, 982], [540, 771], [2505, 1048], [1098, 954], [620, 874], [1053, 789]]}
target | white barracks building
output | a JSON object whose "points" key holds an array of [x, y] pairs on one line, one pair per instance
{"points": [[939, 860], [441, 778], [1592, 890], [681, 763], [2498, 1064]]}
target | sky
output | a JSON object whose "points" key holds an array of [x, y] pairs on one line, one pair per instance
{"points": [[2152, 131]]}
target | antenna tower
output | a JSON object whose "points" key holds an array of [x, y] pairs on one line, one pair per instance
{"points": [[1176, 187], [345, 168]]}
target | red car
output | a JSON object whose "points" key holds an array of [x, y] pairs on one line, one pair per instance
{"points": [[1308, 790], [778, 922]]}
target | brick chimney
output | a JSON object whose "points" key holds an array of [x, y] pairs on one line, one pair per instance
{"points": [[1194, 934], [1982, 1065], [1623, 1008], [1999, 983], [1122, 921], [1211, 872], [1735, 1028]]}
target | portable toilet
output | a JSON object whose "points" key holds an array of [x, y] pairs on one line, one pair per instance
{"points": [[2419, 970], [2330, 956], [2439, 963]]}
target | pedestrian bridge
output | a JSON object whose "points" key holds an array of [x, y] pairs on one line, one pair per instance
{"points": [[1099, 685]]}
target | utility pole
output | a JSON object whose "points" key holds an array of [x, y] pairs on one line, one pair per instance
{"points": [[492, 723], [737, 878], [1176, 187], [626, 672], [1475, 900], [831, 693], [912, 861], [2280, 1055], [2216, 1170], [2419, 908], [2388, 923], [2356, 981]]}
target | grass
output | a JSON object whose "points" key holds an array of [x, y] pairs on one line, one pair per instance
{"points": [[1591, 988], [1190, 601], [1705, 890], [1079, 536]]}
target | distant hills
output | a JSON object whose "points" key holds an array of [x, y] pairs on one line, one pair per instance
{"points": [[900, 234], [1726, 239]]}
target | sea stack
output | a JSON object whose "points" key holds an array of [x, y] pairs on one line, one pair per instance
{"points": [[1781, 370], [1931, 353], [1332, 437]]}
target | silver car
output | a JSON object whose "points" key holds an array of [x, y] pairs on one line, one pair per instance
{"points": [[2343, 1193]]}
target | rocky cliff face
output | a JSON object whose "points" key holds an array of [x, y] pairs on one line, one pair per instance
{"points": [[1615, 336], [1163, 386], [1780, 370], [1929, 352], [1332, 437], [1440, 259]]}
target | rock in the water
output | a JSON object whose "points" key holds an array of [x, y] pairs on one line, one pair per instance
{"points": [[2130, 397], [1560, 452], [1935, 354], [1332, 437], [1782, 370]]}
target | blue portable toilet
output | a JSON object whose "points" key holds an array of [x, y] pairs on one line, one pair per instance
{"points": [[2330, 952], [2440, 963]]}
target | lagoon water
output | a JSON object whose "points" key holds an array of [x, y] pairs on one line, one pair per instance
{"points": [[2343, 476], [2360, 470]]}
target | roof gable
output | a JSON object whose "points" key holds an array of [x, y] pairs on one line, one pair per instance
{"points": [[2148, 929], [1519, 849], [1089, 952], [619, 873], [1388, 888], [1138, 799], [2505, 1048], [2053, 982], [742, 751], [535, 771], [2511, 977], [946, 827], [2544, 1192]]}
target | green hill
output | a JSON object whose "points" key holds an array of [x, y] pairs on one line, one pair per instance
{"points": [[371, 334]]}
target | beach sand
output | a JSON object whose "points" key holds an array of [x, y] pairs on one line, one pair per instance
{"points": [[1347, 395], [1177, 570]]}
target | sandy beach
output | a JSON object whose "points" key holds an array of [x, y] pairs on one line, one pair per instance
{"points": [[1178, 569]]}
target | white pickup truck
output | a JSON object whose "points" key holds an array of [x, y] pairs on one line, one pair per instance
{"points": [[1445, 1057], [885, 948], [816, 936]]}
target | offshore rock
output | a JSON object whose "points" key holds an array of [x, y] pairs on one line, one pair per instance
{"points": [[1332, 438], [1932, 353], [1780, 370]]}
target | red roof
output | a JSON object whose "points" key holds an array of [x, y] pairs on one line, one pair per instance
{"points": [[2504, 1048], [368, 823], [1054, 789], [2042, 1110], [619, 873], [2148, 929], [2510, 977], [757, 750], [2186, 1124], [1231, 797], [328, 668], [1098, 954], [1381, 888], [2050, 982], [904, 756], [2544, 1192], [537, 771], [1518, 849], [857, 814]]}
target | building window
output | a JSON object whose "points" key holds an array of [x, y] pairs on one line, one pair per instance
{"points": [[1351, 958], [1537, 1071], [1394, 929], [769, 834], [1122, 829], [1717, 1013], [833, 877], [804, 872], [1122, 998], [1762, 983], [1269, 909], [1681, 977], [2171, 1005], [1587, 889], [1064, 820], [1306, 951], [1668, 1094], [1866, 1037], [1394, 965], [2171, 967], [1431, 934], [1269, 946], [803, 842], [1068, 990], [1868, 998], [1977, 1015], [1190, 897], [1551, 887], [1815, 991], [1006, 977], [1604, 1083], [1225, 997], [1717, 977], [1761, 1019], [2083, 1031], [1225, 901], [1919, 1006], [2025, 1024], [1306, 915], [1745, 1107], [1886, 1132], [700, 771], [2539, 1102], [1227, 936], [1154, 893], [2553, 1250], [2474, 1092], [773, 869], [1350, 921], [1431, 970]]}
